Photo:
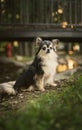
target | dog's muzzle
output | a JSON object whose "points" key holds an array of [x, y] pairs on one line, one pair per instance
{"points": [[48, 51]]}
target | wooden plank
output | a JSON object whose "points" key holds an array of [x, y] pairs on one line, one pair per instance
{"points": [[24, 34]]}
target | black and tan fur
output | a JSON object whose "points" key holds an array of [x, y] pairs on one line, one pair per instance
{"points": [[42, 70]]}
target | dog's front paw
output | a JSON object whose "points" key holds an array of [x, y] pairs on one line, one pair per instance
{"points": [[42, 89], [52, 84]]}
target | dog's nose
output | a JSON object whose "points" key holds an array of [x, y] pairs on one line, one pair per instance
{"points": [[48, 51]]}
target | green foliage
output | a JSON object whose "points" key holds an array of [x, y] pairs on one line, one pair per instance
{"points": [[52, 111]]}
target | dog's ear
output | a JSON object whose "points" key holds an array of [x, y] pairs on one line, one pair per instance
{"points": [[38, 40], [55, 42]]}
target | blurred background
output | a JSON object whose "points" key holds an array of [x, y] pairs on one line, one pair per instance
{"points": [[21, 21]]}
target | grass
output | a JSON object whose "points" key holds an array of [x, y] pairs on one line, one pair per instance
{"points": [[52, 111]]}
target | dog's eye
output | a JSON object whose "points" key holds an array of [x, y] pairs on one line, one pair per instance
{"points": [[51, 48], [44, 48]]}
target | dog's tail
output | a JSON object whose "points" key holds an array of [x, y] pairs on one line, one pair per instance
{"points": [[7, 88]]}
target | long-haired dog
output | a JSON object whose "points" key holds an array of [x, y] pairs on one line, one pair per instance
{"points": [[42, 70]]}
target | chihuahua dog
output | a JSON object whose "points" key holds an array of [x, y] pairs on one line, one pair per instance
{"points": [[42, 70]]}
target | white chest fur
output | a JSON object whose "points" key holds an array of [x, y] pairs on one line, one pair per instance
{"points": [[49, 64]]}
